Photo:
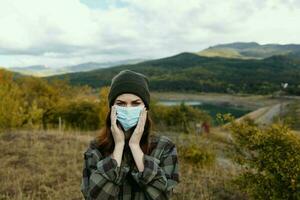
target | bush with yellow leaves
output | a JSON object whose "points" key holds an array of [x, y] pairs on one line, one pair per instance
{"points": [[270, 160], [197, 154]]}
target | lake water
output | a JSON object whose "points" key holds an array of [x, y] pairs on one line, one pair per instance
{"points": [[212, 109]]}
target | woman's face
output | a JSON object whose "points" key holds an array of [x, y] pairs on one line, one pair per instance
{"points": [[128, 99]]}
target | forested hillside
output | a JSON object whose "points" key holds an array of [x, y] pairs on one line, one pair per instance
{"points": [[190, 72]]}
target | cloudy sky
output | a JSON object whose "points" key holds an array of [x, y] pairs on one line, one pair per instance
{"points": [[66, 32]]}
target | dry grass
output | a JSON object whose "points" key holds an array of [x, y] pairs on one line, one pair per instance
{"points": [[48, 165], [211, 181], [40, 165]]}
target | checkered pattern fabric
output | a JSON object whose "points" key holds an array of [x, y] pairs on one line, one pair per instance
{"points": [[102, 179]]}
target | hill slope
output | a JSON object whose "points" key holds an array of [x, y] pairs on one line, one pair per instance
{"points": [[190, 72], [251, 50]]}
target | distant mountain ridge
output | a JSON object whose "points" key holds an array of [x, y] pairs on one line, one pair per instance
{"points": [[95, 65], [32, 67], [43, 70], [249, 50], [188, 71], [237, 50]]}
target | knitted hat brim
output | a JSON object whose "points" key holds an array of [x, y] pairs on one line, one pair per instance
{"points": [[131, 87]]}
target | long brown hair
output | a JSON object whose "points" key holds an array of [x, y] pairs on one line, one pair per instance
{"points": [[105, 140]]}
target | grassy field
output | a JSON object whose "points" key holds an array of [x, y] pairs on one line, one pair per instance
{"points": [[47, 165], [39, 165]]}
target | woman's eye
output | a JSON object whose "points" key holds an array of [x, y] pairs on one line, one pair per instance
{"points": [[124, 104]]}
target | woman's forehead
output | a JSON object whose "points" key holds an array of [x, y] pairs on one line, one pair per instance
{"points": [[128, 97]]}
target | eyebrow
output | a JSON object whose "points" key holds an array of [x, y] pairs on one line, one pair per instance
{"points": [[125, 101]]}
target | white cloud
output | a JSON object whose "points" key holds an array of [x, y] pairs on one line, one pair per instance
{"points": [[56, 32], [38, 24]]}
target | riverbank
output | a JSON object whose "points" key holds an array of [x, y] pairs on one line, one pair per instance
{"points": [[246, 101]]}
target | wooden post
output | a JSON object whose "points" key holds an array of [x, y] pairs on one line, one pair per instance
{"points": [[59, 124]]}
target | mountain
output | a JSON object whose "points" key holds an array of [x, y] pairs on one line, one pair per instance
{"points": [[191, 72], [94, 65], [250, 50], [42, 70], [37, 70], [33, 68], [295, 56]]}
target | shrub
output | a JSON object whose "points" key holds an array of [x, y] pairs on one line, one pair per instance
{"points": [[197, 154], [224, 118], [270, 159], [77, 114]]}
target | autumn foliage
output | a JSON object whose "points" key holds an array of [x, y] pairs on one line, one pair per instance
{"points": [[270, 158]]}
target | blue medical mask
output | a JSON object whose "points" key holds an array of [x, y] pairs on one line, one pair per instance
{"points": [[128, 116]]}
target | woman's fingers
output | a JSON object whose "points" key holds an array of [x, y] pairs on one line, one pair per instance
{"points": [[114, 119], [113, 116], [142, 119], [144, 115], [138, 132], [117, 132]]}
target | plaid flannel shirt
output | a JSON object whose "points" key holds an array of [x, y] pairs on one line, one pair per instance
{"points": [[103, 179]]}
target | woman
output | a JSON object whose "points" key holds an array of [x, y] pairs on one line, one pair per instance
{"points": [[126, 161]]}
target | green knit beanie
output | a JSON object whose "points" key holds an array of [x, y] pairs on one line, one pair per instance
{"points": [[127, 81]]}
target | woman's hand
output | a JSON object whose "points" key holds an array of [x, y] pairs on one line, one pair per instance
{"points": [[118, 136], [139, 129], [117, 132]]}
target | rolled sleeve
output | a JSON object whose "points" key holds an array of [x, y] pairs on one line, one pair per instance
{"points": [[151, 168], [159, 176], [109, 169], [101, 176]]}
